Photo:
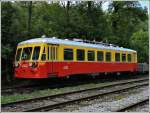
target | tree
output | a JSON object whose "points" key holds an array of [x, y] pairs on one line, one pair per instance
{"points": [[139, 42], [125, 16], [29, 19], [7, 20], [67, 18]]}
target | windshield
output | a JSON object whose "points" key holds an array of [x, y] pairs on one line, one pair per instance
{"points": [[26, 54], [18, 54], [36, 53]]}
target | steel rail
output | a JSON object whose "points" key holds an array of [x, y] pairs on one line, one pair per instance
{"points": [[72, 92], [60, 104], [132, 105]]}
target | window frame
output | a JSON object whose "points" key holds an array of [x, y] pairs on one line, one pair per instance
{"points": [[99, 60], [129, 57], [80, 55], [70, 52], [93, 53], [17, 54], [116, 59], [34, 50], [125, 57], [43, 53], [110, 56], [30, 53]]}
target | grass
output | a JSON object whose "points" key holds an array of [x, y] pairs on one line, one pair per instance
{"points": [[39, 93], [118, 97]]}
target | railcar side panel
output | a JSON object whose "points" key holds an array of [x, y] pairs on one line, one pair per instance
{"points": [[69, 68]]}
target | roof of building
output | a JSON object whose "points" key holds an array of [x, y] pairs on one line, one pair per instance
{"points": [[54, 40]]}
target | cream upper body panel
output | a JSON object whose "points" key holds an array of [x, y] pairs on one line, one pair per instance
{"points": [[61, 44], [73, 43]]}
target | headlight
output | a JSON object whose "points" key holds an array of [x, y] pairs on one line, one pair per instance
{"points": [[16, 64], [30, 64], [33, 64]]}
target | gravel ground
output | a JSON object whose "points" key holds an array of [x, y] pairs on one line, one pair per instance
{"points": [[110, 102], [51, 101], [142, 107]]}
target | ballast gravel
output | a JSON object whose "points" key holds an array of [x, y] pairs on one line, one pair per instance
{"points": [[95, 106], [114, 105], [142, 107]]}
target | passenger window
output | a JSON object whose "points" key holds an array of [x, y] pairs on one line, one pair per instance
{"points": [[129, 57], [91, 55], [117, 57], [68, 54], [18, 54], [123, 57], [108, 57], [100, 56], [36, 53], [80, 54]]}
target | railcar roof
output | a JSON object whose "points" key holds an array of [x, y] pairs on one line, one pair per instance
{"points": [[73, 43]]}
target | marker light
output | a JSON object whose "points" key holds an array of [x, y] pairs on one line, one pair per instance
{"points": [[16, 64]]}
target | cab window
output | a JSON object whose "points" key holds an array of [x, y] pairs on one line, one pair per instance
{"points": [[43, 58], [100, 56], [18, 54], [36, 53], [68, 54], [80, 55], [108, 56], [26, 54]]}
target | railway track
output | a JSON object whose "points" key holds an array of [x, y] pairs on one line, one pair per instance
{"points": [[123, 109], [50, 102]]}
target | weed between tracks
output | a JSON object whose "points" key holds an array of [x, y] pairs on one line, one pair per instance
{"points": [[46, 92]]}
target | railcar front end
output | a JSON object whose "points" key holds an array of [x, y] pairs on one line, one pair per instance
{"points": [[30, 61]]}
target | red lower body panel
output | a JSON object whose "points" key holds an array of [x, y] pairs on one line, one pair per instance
{"points": [[61, 69]]}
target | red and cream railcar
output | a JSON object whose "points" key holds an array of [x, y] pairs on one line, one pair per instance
{"points": [[52, 57]]}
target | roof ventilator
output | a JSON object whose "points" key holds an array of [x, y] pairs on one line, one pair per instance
{"points": [[95, 42]]}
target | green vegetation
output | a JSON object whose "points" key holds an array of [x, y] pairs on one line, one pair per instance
{"points": [[125, 23], [118, 97]]}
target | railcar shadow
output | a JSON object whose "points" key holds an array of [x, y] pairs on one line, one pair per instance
{"points": [[30, 85]]}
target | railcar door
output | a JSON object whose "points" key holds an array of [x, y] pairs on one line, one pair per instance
{"points": [[53, 57]]}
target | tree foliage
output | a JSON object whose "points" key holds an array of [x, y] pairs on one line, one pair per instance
{"points": [[125, 23], [139, 41]]}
